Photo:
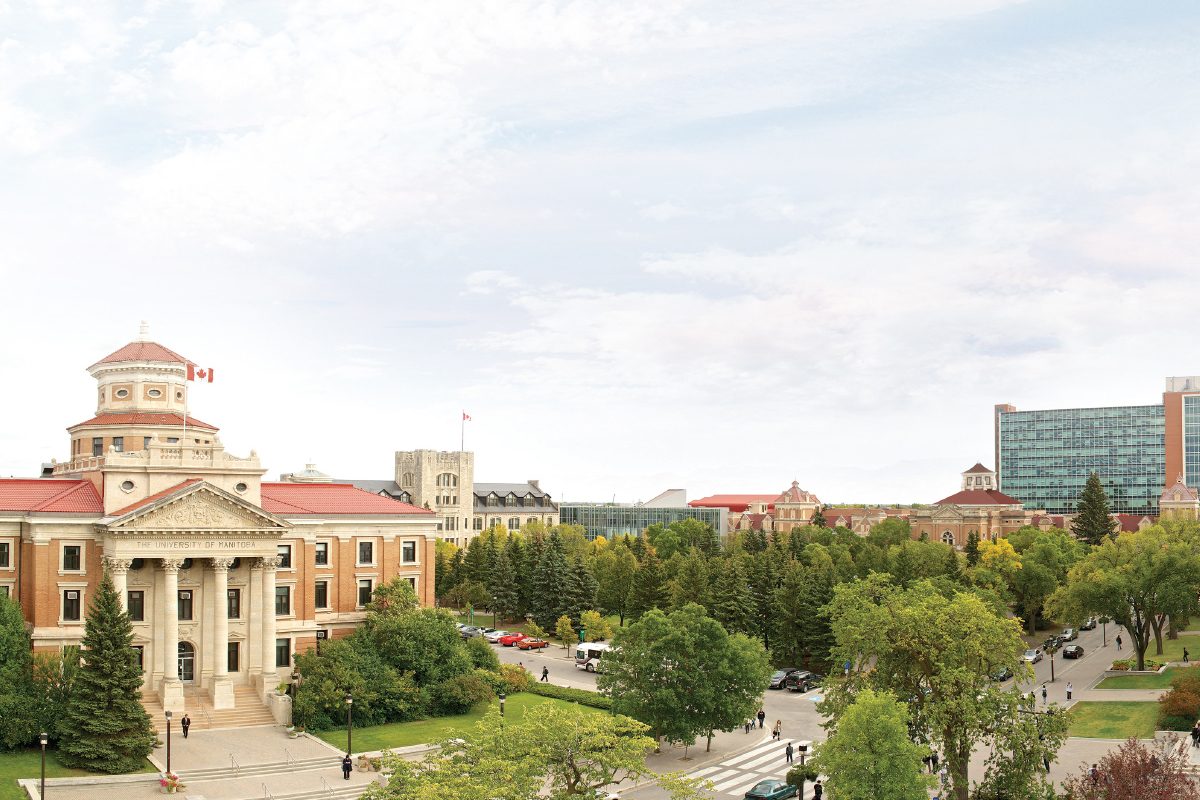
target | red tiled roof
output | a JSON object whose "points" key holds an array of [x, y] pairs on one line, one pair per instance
{"points": [[287, 499], [145, 419], [142, 351], [1132, 522], [978, 468], [48, 495], [794, 494], [736, 503], [978, 497], [154, 497]]}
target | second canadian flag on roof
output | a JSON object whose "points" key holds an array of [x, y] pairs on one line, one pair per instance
{"points": [[198, 374]]}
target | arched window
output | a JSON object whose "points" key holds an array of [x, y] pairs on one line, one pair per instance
{"points": [[407, 480], [948, 538], [448, 479]]}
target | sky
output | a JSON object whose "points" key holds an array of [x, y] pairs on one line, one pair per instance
{"points": [[703, 245]]}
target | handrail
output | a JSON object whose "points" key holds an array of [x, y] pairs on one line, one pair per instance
{"points": [[291, 762], [237, 768], [267, 793], [328, 788]]}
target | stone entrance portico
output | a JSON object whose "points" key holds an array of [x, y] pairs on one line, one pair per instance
{"points": [[185, 552]]}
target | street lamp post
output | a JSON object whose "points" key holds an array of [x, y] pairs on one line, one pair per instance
{"points": [[1051, 652], [803, 748], [1104, 631], [167, 713], [349, 722], [501, 698], [44, 738]]}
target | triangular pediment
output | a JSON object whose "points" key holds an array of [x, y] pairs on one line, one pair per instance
{"points": [[948, 512], [198, 506]]}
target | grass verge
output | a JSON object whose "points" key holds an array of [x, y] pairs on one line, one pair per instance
{"points": [[404, 734], [1161, 680], [1113, 720], [28, 764]]}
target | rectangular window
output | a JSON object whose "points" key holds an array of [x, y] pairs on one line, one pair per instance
{"points": [[413, 583], [98, 446], [71, 605], [408, 552], [283, 601], [285, 556], [119, 444], [322, 551], [146, 442], [172, 440], [137, 606], [232, 664], [5, 590], [478, 523], [141, 657], [72, 557], [514, 523], [283, 652], [364, 592], [321, 594], [5, 554], [185, 604], [234, 604], [366, 553]]}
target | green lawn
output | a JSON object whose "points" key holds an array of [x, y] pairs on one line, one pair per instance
{"points": [[403, 734], [1113, 720], [1160, 681], [1172, 649], [28, 764]]}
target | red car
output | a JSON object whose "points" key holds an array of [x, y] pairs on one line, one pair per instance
{"points": [[510, 639], [532, 644]]}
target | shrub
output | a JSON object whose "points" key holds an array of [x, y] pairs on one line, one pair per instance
{"points": [[461, 693], [1187, 680], [516, 679], [581, 696], [482, 655], [1131, 664], [796, 772], [381, 694], [1175, 723], [1178, 707]]}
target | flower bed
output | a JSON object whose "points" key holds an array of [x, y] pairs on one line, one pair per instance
{"points": [[1130, 665]]}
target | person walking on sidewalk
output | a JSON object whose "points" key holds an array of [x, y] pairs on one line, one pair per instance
{"points": [[545, 674], [778, 729], [1045, 692], [818, 790], [1196, 734], [1185, 655], [933, 762], [347, 765], [762, 717], [1069, 690], [787, 752], [1118, 641], [185, 723]]}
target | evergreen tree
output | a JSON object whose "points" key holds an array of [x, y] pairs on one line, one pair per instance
{"points": [[19, 704], [790, 611], [475, 566], [816, 633], [690, 584], [818, 519], [548, 594], [953, 569], [503, 588], [581, 591], [441, 573], [732, 603], [761, 577], [972, 549], [754, 541], [638, 546], [514, 551], [106, 729], [649, 589], [1092, 522]]}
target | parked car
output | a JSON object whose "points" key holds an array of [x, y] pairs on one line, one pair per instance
{"points": [[1069, 635], [470, 632], [529, 643], [779, 676], [1001, 674], [1052, 644], [1089, 624], [1072, 651], [1032, 655], [494, 636], [802, 681], [771, 790], [509, 639]]}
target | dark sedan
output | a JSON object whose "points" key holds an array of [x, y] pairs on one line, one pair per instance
{"points": [[771, 790], [1072, 651], [779, 676]]}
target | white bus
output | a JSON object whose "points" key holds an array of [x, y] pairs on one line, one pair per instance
{"points": [[588, 654]]}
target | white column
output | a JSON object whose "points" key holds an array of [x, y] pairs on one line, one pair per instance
{"points": [[118, 568], [172, 688], [222, 687], [269, 675]]}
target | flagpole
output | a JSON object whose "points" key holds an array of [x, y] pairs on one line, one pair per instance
{"points": [[462, 432]]}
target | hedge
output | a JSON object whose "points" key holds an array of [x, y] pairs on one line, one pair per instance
{"points": [[581, 696]]}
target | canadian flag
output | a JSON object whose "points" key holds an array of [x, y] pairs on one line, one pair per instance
{"points": [[466, 417], [197, 374]]}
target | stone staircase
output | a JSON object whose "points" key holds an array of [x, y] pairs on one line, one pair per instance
{"points": [[331, 788], [249, 710]]}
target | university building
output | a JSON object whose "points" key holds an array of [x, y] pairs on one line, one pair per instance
{"points": [[225, 576]]}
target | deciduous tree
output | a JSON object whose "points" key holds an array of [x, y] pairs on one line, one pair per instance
{"points": [[1136, 769]]}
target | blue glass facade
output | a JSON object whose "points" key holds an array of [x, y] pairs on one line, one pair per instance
{"points": [[1191, 439], [1046, 456], [612, 520]]}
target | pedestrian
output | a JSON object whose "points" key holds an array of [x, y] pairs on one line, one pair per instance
{"points": [[818, 790], [762, 717], [1196, 734], [185, 723], [1094, 774], [1069, 690], [933, 760], [545, 674], [927, 760], [1118, 641], [347, 765], [778, 729], [748, 725], [1185, 655], [787, 752], [1045, 693]]}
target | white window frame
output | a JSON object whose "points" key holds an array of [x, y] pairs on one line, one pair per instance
{"points": [[9, 588], [291, 648], [291, 558], [328, 554], [416, 559], [12, 554], [358, 581], [63, 588], [325, 607], [291, 587], [62, 555], [358, 543]]}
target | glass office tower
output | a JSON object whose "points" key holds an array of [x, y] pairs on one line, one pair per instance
{"points": [[1045, 457], [608, 520]]}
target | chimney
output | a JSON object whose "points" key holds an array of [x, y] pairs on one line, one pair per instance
{"points": [[534, 484]]}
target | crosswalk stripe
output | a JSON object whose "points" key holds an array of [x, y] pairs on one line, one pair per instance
{"points": [[757, 751], [720, 787], [706, 771], [720, 776], [766, 759]]}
